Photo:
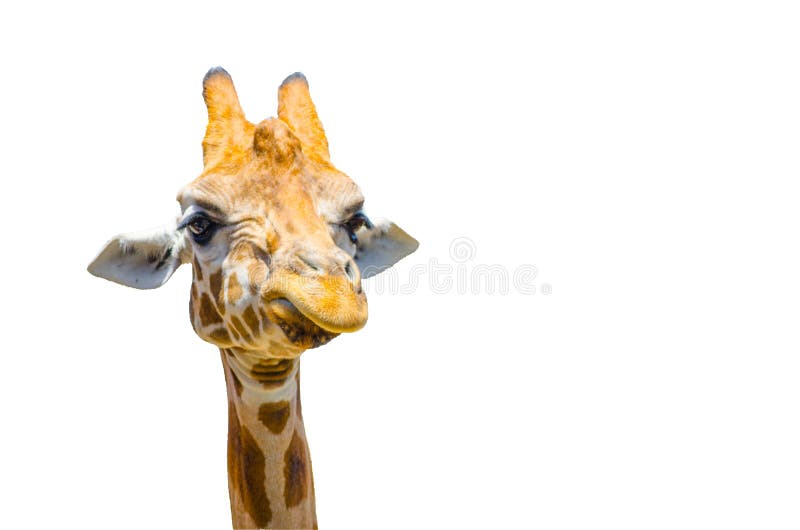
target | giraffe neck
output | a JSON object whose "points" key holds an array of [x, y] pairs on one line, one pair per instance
{"points": [[269, 467]]}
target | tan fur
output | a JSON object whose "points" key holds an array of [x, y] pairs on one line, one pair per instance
{"points": [[266, 432], [278, 171], [273, 188], [269, 227]]}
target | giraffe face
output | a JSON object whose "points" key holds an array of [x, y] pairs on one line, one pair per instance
{"points": [[270, 235], [275, 234]]}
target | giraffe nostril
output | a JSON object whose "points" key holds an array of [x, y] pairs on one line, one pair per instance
{"points": [[337, 264], [309, 262], [353, 274], [348, 269]]}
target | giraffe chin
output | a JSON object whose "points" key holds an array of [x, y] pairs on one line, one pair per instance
{"points": [[299, 329]]}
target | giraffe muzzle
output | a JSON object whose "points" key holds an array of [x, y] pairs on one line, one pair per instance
{"points": [[334, 303]]}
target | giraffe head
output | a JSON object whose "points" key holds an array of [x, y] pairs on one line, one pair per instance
{"points": [[275, 234]]}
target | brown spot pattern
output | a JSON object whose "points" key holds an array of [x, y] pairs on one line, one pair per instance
{"points": [[272, 373], [220, 335], [239, 327], [192, 296], [246, 470], [234, 289], [296, 471], [198, 272], [215, 283], [274, 415], [208, 313], [252, 321], [237, 384]]}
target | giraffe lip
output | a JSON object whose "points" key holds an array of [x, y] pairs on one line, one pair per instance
{"points": [[297, 327], [330, 301], [326, 324]]}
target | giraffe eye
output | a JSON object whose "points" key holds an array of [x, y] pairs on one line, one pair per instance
{"points": [[201, 228], [354, 223]]}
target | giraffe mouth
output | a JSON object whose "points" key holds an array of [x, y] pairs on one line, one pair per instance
{"points": [[330, 302], [297, 327]]}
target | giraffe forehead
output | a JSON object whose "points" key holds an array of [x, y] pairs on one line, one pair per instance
{"points": [[294, 194], [227, 193]]}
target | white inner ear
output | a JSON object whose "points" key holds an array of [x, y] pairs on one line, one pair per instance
{"points": [[144, 260], [381, 247]]}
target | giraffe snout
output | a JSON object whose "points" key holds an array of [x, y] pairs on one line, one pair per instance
{"points": [[336, 264]]}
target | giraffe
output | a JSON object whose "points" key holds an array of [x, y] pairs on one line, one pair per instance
{"points": [[278, 243]]}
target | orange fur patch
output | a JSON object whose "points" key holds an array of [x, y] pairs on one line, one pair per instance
{"points": [[234, 290]]}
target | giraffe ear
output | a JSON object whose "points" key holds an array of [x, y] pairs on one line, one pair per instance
{"points": [[382, 246], [144, 260], [296, 109], [226, 121]]}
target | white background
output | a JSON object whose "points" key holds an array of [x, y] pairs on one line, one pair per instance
{"points": [[642, 156]]}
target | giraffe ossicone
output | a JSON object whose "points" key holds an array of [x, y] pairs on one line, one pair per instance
{"points": [[278, 243]]}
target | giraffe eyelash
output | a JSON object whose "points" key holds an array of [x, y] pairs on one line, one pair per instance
{"points": [[353, 224], [201, 227]]}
